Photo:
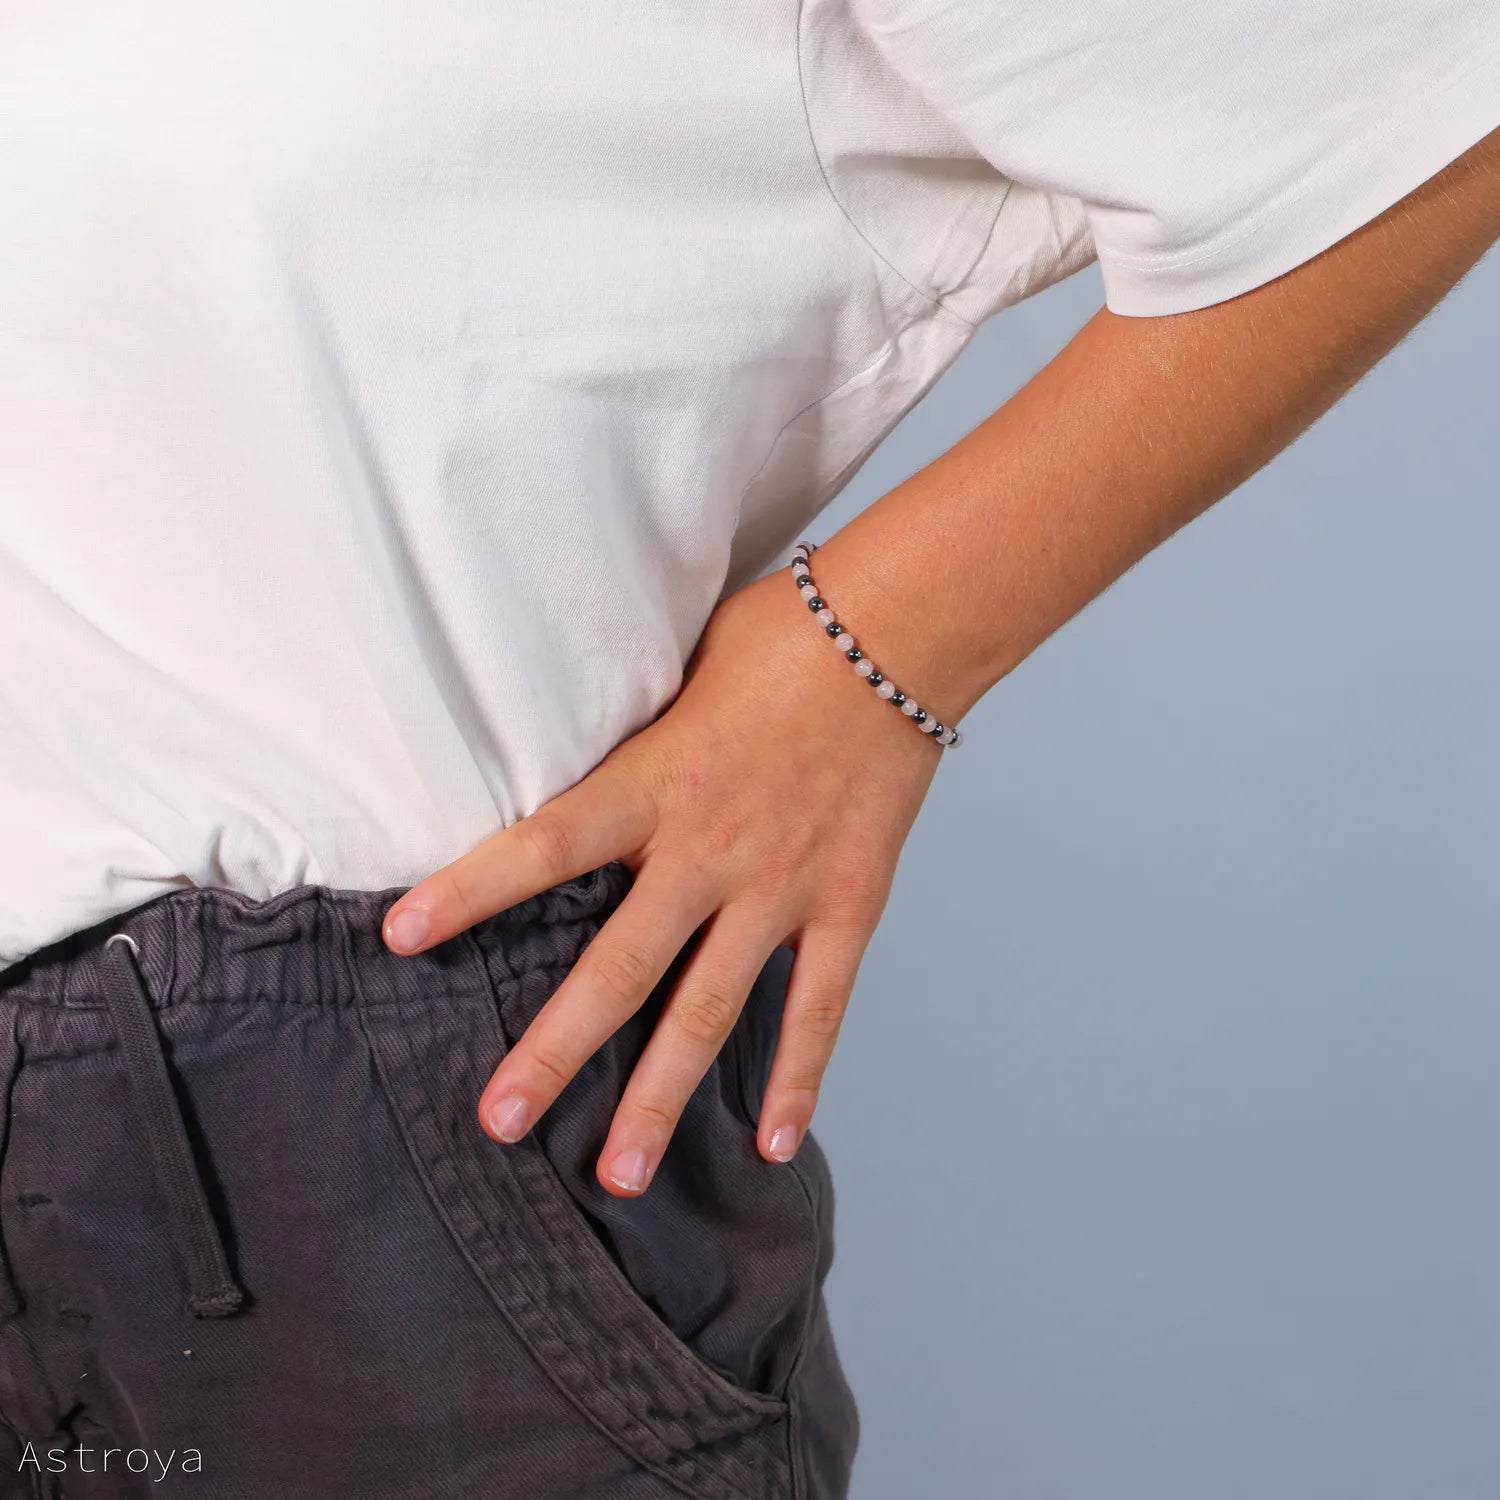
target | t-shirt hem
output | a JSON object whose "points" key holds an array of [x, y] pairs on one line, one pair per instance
{"points": [[1355, 186]]}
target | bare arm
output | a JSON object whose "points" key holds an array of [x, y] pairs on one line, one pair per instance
{"points": [[1136, 427], [769, 803]]}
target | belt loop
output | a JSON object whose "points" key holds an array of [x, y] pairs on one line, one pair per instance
{"points": [[213, 1292]]}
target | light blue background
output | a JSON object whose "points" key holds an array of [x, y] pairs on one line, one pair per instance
{"points": [[1166, 1120]]}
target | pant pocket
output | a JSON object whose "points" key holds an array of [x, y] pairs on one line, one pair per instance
{"points": [[725, 1247], [674, 1320]]}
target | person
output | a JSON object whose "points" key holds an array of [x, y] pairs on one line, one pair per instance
{"points": [[412, 706]]}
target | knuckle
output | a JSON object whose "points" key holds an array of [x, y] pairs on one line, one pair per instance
{"points": [[552, 1067], [819, 1019], [717, 840], [463, 896], [705, 1014], [699, 861], [710, 850], [779, 867], [630, 776], [802, 1084], [659, 1119], [654, 764], [623, 973], [860, 895], [848, 918], [548, 840], [694, 868]]}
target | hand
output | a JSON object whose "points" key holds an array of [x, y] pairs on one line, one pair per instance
{"points": [[770, 800]]}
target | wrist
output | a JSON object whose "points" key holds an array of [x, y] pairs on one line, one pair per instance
{"points": [[897, 621]]}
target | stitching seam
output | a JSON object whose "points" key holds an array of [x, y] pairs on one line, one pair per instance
{"points": [[837, 202]]}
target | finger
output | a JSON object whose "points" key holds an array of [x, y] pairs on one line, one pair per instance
{"points": [[609, 983], [694, 1024], [823, 971], [607, 814]]}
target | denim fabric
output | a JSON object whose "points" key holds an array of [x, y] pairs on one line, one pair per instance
{"points": [[425, 1313]]}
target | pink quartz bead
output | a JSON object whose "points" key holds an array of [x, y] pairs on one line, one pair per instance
{"points": [[928, 725], [808, 591], [886, 689], [910, 707], [844, 642], [863, 667], [824, 617]]}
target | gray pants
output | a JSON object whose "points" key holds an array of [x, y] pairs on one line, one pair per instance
{"points": [[255, 1246]]}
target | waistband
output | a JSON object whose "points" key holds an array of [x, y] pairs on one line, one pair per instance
{"points": [[311, 943]]}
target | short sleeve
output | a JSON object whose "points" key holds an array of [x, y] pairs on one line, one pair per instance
{"points": [[1215, 146]]}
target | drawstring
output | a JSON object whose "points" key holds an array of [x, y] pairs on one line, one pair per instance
{"points": [[10, 1066], [213, 1292]]}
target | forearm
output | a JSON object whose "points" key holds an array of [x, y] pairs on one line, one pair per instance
{"points": [[948, 581], [1136, 427]]}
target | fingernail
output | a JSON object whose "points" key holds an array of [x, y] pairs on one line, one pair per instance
{"points": [[407, 930], [784, 1142], [510, 1119], [629, 1170]]}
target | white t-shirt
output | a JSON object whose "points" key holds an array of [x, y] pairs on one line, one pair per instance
{"points": [[389, 390]]}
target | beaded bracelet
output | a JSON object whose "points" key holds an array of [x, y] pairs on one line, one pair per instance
{"points": [[884, 687]]}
